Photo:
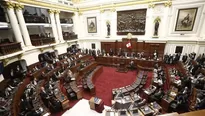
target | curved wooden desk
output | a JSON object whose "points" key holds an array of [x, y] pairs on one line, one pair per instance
{"points": [[92, 77], [113, 61], [15, 109]]}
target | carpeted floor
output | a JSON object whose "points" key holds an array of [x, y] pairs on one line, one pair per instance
{"points": [[108, 80]]}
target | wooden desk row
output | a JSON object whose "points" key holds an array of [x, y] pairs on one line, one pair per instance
{"points": [[138, 84], [38, 103], [114, 61], [61, 97], [91, 77], [145, 110], [74, 87]]}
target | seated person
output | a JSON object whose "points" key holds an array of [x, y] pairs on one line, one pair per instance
{"points": [[44, 96], [132, 64], [200, 101], [157, 96], [25, 104]]}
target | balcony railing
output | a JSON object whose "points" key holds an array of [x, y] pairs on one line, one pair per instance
{"points": [[69, 36], [37, 40], [8, 48]]}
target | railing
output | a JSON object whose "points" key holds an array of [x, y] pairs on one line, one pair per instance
{"points": [[9, 48], [38, 41]]}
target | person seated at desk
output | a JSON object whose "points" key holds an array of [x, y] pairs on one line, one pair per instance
{"points": [[119, 53], [54, 105], [111, 52], [37, 112], [132, 65], [45, 96], [26, 104], [200, 101], [133, 55], [157, 96]]}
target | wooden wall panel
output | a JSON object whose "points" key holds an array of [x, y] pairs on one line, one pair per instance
{"points": [[137, 47]]}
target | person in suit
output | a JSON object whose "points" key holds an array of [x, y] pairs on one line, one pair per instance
{"points": [[157, 95], [170, 59], [98, 52], [184, 58], [86, 51], [111, 52], [119, 53], [155, 55], [45, 96]]}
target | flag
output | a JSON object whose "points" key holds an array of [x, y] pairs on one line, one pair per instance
{"points": [[128, 45]]}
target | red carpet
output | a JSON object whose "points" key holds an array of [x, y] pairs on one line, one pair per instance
{"points": [[110, 79], [104, 83]]}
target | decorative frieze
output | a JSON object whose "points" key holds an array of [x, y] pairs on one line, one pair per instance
{"points": [[168, 3], [18, 6]]}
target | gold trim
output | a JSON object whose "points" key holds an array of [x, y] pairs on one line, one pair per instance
{"points": [[168, 3], [107, 22], [41, 49], [54, 6], [20, 56], [53, 47], [8, 4], [56, 11], [102, 11], [113, 6], [18, 6], [51, 11], [5, 61], [79, 12], [151, 5]]}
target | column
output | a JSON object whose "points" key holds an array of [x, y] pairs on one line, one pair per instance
{"points": [[14, 23], [59, 30], [53, 24], [75, 23], [166, 19], [149, 27], [22, 25]]}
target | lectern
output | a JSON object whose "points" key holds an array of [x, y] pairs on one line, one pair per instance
{"points": [[96, 104], [122, 67]]}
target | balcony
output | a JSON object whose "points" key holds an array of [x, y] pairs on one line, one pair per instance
{"points": [[69, 36], [8, 48], [39, 40]]}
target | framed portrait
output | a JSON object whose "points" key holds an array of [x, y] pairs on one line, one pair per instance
{"points": [[92, 24], [186, 19]]}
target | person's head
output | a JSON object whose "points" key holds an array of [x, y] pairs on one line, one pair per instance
{"points": [[42, 89]]}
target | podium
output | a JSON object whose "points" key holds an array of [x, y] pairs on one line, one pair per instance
{"points": [[96, 104], [122, 67]]}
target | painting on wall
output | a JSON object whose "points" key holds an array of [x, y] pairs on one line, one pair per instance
{"points": [[131, 21], [186, 19], [92, 24]]}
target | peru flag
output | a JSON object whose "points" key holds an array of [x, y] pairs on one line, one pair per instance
{"points": [[128, 45]]}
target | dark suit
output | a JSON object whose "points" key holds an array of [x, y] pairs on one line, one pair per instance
{"points": [[184, 58]]}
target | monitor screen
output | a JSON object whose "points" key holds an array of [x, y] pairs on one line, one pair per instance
{"points": [[122, 112], [135, 111]]}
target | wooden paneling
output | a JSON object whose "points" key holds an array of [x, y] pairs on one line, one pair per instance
{"points": [[147, 48]]}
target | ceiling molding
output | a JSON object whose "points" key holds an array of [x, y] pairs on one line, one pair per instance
{"points": [[47, 5], [107, 6]]}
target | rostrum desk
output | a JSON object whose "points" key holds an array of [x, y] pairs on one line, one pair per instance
{"points": [[115, 60]]}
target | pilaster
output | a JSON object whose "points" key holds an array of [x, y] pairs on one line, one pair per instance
{"points": [[18, 8], [53, 24], [59, 29], [14, 22]]}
